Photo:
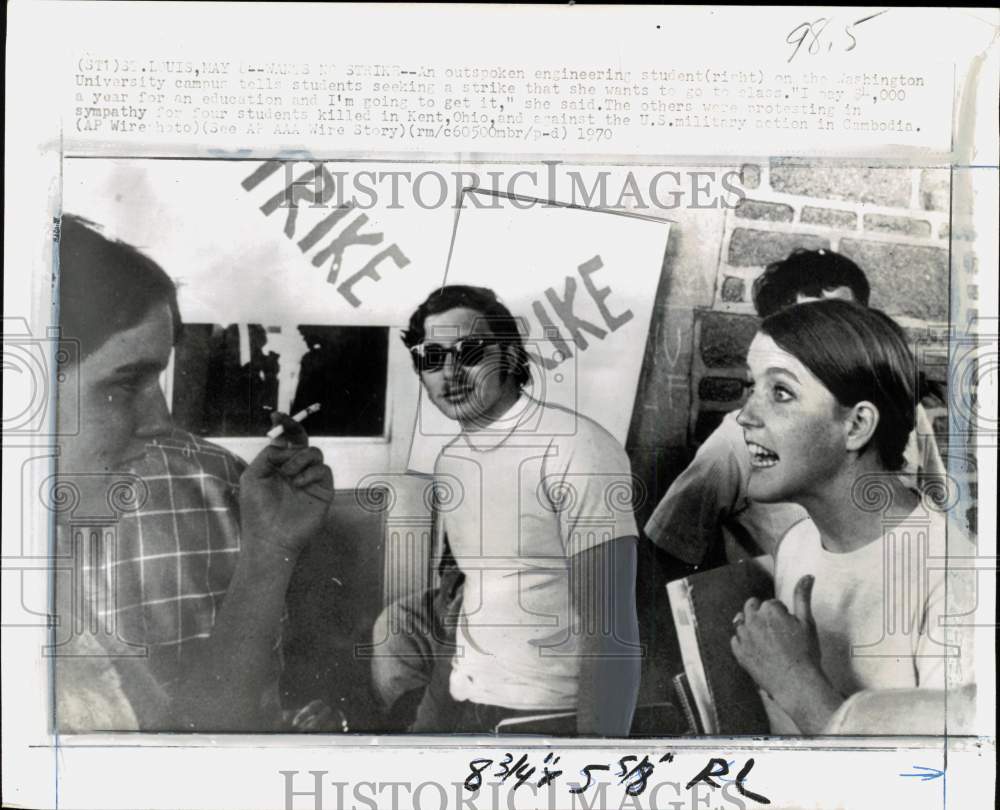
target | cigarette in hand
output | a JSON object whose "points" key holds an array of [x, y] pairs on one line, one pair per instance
{"points": [[277, 430]]}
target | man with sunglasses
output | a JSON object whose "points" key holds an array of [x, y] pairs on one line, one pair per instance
{"points": [[537, 613]]}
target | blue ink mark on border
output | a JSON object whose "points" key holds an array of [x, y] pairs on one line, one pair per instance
{"points": [[928, 775]]}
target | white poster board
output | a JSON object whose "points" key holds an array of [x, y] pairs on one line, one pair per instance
{"points": [[271, 242]]}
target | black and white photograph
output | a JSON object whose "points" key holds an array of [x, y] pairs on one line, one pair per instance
{"points": [[573, 470], [621, 372]]}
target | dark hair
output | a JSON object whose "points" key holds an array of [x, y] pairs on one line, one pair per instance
{"points": [[858, 354], [810, 273], [502, 324], [106, 286]]}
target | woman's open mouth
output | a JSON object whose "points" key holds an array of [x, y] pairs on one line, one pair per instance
{"points": [[455, 395], [760, 456]]}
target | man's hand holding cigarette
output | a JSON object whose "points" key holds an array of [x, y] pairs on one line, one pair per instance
{"points": [[285, 492], [284, 497]]}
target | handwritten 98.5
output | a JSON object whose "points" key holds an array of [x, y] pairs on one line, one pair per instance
{"points": [[821, 37]]}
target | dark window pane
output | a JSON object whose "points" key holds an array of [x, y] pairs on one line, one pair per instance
{"points": [[228, 379]]}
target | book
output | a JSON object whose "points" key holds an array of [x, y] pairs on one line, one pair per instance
{"points": [[650, 720], [685, 699], [716, 693], [554, 724]]}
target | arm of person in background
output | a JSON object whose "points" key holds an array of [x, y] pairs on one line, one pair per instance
{"points": [[284, 497], [602, 594], [687, 523]]}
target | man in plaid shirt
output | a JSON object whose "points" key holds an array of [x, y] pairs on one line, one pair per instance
{"points": [[200, 588]]}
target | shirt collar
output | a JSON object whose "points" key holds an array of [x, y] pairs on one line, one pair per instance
{"points": [[501, 428]]}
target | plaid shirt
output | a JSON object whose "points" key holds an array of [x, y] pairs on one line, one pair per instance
{"points": [[176, 555], [178, 551], [162, 585]]}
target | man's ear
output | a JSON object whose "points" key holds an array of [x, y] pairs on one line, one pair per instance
{"points": [[860, 423]]}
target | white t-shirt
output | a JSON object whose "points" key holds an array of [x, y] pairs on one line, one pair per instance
{"points": [[878, 609], [542, 484]]}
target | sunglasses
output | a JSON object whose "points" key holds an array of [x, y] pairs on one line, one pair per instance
{"points": [[467, 352]]}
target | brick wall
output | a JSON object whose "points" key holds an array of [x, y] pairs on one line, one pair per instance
{"points": [[892, 221]]}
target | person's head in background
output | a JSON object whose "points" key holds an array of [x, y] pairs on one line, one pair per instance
{"points": [[833, 388], [120, 310], [468, 350], [809, 275]]}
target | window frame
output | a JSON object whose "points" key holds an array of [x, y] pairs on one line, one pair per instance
{"points": [[351, 457]]}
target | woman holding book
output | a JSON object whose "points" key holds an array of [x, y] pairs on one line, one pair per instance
{"points": [[831, 405]]}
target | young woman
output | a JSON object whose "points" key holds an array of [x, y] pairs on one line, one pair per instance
{"points": [[831, 406]]}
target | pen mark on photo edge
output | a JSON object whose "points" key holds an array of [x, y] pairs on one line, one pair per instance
{"points": [[928, 774], [871, 16]]}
